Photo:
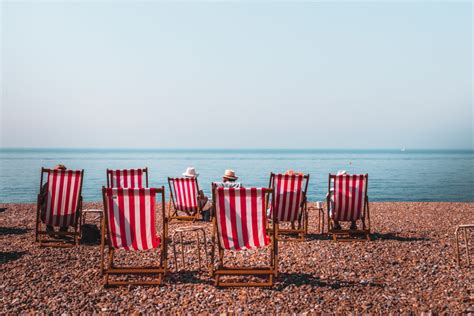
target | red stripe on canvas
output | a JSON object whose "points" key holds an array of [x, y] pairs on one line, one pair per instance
{"points": [[234, 212]]}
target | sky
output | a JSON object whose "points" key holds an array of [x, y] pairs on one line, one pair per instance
{"points": [[236, 74]]}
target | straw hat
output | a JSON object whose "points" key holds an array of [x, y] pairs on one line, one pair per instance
{"points": [[60, 167], [230, 174], [191, 172]]}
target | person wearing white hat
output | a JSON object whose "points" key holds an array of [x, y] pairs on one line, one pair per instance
{"points": [[337, 225], [229, 180], [191, 173]]}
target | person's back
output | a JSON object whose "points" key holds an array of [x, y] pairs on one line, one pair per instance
{"points": [[228, 184]]}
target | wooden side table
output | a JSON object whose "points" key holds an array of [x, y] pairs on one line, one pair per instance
{"points": [[192, 229], [319, 207]]}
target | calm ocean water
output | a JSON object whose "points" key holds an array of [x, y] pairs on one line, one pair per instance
{"points": [[412, 175]]}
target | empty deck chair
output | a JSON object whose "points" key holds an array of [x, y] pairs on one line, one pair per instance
{"points": [[59, 205], [240, 223], [127, 178], [184, 195], [130, 224], [347, 201], [289, 202]]}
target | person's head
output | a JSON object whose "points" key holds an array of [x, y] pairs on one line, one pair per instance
{"points": [[291, 172], [229, 176], [190, 173], [60, 167]]}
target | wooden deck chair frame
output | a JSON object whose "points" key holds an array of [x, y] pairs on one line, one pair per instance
{"points": [[76, 234], [109, 179], [111, 269], [302, 229], [175, 215], [349, 234], [270, 271]]}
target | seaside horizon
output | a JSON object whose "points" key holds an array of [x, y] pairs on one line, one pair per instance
{"points": [[394, 174]]}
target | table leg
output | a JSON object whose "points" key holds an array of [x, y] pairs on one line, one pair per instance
{"points": [[467, 247], [182, 249], [198, 246]]}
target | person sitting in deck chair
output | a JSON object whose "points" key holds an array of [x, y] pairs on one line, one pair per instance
{"points": [[191, 173], [291, 172], [337, 225], [229, 180], [44, 200]]}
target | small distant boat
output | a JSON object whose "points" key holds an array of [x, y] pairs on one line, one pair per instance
{"points": [[403, 149]]}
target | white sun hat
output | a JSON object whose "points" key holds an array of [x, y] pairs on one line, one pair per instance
{"points": [[191, 172]]}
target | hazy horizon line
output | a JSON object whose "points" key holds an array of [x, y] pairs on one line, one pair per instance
{"points": [[234, 148]]}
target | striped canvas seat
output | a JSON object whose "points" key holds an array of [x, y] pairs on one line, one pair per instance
{"points": [[125, 178], [240, 216], [288, 196], [185, 194], [131, 218], [63, 197], [348, 197]]}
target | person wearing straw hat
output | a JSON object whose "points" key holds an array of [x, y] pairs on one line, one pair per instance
{"points": [[229, 180], [191, 174]]}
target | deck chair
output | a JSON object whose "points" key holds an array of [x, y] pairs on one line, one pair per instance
{"points": [[130, 224], [289, 203], [184, 194], [127, 178], [59, 204], [240, 223], [347, 201]]}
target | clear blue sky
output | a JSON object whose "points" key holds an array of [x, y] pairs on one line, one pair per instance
{"points": [[239, 74]]}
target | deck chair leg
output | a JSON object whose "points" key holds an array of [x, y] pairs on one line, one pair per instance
{"points": [[275, 249], [102, 259], [213, 253], [173, 240], [37, 219]]}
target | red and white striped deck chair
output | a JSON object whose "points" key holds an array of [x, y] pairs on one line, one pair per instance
{"points": [[59, 205], [347, 202], [184, 195], [129, 219], [289, 202], [240, 223], [127, 178]]}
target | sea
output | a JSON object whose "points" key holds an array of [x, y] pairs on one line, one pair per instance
{"points": [[394, 174]]}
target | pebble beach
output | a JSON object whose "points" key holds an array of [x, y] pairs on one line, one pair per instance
{"points": [[408, 267]]}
